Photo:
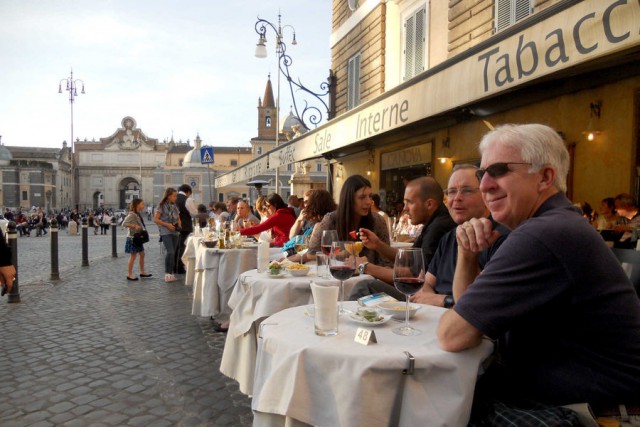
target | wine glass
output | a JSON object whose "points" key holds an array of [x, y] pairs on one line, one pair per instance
{"points": [[328, 237], [301, 245], [408, 278], [342, 264]]}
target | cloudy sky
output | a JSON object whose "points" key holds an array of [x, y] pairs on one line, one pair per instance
{"points": [[181, 67]]}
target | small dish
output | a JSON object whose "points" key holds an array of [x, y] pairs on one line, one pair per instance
{"points": [[362, 321], [276, 276], [297, 270], [209, 243], [397, 309]]}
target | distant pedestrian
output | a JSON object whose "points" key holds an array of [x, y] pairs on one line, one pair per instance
{"points": [[7, 270], [105, 223], [133, 222], [167, 218]]}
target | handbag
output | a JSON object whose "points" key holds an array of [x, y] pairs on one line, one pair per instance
{"points": [[140, 237]]}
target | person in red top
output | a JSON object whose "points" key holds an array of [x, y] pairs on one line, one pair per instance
{"points": [[280, 221]]}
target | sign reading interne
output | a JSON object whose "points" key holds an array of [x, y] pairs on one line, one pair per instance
{"points": [[584, 32]]}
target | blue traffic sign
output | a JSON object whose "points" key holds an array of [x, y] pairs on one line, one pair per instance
{"points": [[206, 155]]}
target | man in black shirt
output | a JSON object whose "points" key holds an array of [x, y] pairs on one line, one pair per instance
{"points": [[424, 203], [187, 210]]}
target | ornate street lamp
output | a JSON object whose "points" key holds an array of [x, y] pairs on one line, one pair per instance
{"points": [[313, 113], [72, 88]]}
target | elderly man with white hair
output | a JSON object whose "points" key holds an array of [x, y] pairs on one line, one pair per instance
{"points": [[565, 315]]}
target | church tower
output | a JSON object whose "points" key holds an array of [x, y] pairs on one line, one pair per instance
{"points": [[267, 113]]}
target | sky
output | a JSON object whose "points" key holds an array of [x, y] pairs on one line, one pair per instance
{"points": [[180, 68]]}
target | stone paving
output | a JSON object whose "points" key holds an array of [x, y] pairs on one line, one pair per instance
{"points": [[94, 349]]}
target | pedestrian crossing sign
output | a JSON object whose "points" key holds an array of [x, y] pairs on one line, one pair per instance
{"points": [[206, 155]]}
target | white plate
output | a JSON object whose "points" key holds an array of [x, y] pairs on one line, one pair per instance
{"points": [[362, 321], [276, 276]]}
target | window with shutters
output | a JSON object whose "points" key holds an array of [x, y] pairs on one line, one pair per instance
{"points": [[415, 43], [353, 82], [508, 12], [318, 167]]}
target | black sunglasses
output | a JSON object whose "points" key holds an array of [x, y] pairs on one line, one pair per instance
{"points": [[497, 170]]}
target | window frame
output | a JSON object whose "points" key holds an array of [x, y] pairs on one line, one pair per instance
{"points": [[353, 81], [510, 12], [419, 60]]}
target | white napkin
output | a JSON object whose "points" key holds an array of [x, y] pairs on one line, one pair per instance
{"points": [[325, 299], [265, 237]]}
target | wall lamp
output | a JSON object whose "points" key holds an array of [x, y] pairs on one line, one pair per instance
{"points": [[444, 151], [595, 108]]}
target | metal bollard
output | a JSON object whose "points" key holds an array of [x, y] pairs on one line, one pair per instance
{"points": [[85, 242], [114, 244], [55, 272], [12, 241]]}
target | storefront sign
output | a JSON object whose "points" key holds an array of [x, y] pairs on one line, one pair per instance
{"points": [[584, 32], [244, 173], [408, 157]]}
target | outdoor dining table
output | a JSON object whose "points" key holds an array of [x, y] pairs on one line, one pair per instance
{"points": [[255, 297], [305, 379], [214, 273]]}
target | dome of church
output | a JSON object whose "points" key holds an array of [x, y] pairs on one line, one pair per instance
{"points": [[5, 156], [192, 158], [292, 121]]}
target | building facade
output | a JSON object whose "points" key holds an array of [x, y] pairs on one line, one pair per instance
{"points": [[419, 82]]}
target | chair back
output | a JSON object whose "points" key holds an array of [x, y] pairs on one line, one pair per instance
{"points": [[630, 260]]}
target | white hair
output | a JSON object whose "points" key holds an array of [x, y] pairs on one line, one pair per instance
{"points": [[538, 144]]}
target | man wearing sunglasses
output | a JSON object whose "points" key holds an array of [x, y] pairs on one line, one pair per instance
{"points": [[555, 297]]}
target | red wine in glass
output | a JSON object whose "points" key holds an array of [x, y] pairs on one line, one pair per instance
{"points": [[408, 285], [408, 278], [342, 272], [326, 249]]}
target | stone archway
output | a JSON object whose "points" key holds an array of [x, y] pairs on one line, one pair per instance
{"points": [[129, 189], [98, 200]]}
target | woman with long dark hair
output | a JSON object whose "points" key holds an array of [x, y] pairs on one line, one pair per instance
{"points": [[133, 222], [281, 218], [353, 213], [167, 218]]}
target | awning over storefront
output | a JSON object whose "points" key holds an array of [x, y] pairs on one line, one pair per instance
{"points": [[553, 40]]}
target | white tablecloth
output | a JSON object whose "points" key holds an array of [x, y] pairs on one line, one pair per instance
{"points": [[256, 297], [332, 381], [189, 257], [215, 272]]}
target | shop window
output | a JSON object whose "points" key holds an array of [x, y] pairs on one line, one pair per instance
{"points": [[415, 43], [353, 82], [508, 12]]}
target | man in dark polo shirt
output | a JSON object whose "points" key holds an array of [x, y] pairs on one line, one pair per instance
{"points": [[565, 315]]}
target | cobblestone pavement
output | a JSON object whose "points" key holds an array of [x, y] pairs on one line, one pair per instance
{"points": [[94, 349]]}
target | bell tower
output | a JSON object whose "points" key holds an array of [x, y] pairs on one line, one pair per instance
{"points": [[267, 113]]}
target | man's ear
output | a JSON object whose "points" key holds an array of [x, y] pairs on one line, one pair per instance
{"points": [[431, 205], [547, 178]]}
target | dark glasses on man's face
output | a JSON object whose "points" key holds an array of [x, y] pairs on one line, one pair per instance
{"points": [[497, 170]]}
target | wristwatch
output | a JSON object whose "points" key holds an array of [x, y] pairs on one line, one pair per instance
{"points": [[448, 301], [362, 266]]}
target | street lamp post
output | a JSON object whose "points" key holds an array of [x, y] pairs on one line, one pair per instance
{"points": [[72, 88], [284, 61]]}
